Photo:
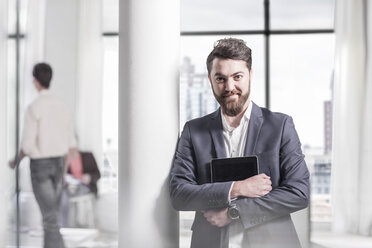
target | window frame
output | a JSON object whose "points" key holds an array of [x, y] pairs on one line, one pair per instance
{"points": [[267, 32]]}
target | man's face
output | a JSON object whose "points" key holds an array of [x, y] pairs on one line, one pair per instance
{"points": [[230, 81]]}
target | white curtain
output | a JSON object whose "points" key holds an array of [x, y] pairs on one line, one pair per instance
{"points": [[4, 170], [32, 50], [89, 78], [352, 136]]}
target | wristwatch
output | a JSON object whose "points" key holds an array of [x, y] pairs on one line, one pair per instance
{"points": [[233, 212]]}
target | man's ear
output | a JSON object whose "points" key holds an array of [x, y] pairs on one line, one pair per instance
{"points": [[36, 83], [250, 74]]}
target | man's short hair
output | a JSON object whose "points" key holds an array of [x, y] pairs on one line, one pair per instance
{"points": [[43, 73], [230, 48]]}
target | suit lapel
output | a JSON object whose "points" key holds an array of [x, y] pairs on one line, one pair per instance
{"points": [[215, 129], [255, 123]]}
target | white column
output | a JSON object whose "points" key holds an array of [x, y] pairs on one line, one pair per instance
{"points": [[349, 94], [89, 78], [148, 121], [4, 169]]}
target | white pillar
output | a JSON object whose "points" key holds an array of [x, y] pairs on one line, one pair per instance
{"points": [[89, 78], [148, 121], [4, 169]]}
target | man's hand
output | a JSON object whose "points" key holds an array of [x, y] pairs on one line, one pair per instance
{"points": [[12, 163], [71, 155], [86, 179], [217, 218], [255, 186]]}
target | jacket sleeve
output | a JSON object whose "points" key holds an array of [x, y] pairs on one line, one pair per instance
{"points": [[90, 166], [291, 195], [185, 191]]}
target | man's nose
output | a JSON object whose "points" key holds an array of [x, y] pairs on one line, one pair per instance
{"points": [[229, 85]]}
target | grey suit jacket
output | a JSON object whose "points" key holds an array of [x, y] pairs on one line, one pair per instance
{"points": [[273, 139]]}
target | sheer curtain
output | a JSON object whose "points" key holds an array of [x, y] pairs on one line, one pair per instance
{"points": [[352, 136], [34, 48], [4, 170], [32, 52]]}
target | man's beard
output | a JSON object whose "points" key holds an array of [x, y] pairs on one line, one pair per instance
{"points": [[232, 108]]}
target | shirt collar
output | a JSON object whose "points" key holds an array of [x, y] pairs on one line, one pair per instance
{"points": [[44, 92], [246, 117]]}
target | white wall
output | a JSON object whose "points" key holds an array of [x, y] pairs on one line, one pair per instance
{"points": [[73, 46], [301, 220], [61, 47]]}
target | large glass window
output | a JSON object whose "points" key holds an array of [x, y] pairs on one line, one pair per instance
{"points": [[302, 67], [109, 180], [293, 49], [302, 15], [30, 233], [210, 15], [110, 15]]}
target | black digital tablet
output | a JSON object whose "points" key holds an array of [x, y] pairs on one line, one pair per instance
{"points": [[233, 169]]}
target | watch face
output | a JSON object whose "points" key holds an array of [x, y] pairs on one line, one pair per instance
{"points": [[233, 213]]}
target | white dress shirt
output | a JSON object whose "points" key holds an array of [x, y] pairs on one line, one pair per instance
{"points": [[48, 129], [235, 139]]}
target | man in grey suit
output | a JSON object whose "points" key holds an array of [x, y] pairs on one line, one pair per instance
{"points": [[254, 212]]}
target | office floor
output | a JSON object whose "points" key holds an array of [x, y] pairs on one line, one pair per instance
{"points": [[74, 238], [327, 239], [92, 238], [323, 239]]}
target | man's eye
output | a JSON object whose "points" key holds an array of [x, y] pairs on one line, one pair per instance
{"points": [[238, 77], [220, 80]]}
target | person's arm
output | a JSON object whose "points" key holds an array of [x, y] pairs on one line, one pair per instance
{"points": [[28, 143], [291, 195], [185, 192], [18, 158], [255, 186], [30, 131]]}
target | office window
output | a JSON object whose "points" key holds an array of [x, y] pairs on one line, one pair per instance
{"points": [[110, 29], [12, 16], [11, 113], [292, 48], [12, 67], [110, 16], [301, 76], [109, 180], [302, 15], [301, 67], [212, 15]]}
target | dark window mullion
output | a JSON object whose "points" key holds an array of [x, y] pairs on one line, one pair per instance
{"points": [[15, 36], [267, 52], [267, 32], [256, 32]]}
